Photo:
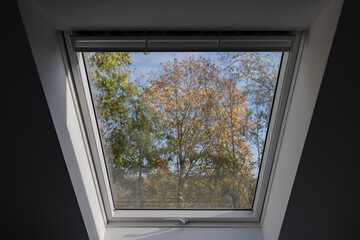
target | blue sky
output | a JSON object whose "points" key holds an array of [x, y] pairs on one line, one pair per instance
{"points": [[152, 62]]}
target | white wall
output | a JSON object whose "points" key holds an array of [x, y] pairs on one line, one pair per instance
{"points": [[310, 73], [50, 65]]}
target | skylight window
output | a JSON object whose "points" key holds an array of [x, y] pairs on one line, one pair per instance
{"points": [[182, 126], [183, 130]]}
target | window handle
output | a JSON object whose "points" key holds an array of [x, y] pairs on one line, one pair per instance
{"points": [[182, 221]]}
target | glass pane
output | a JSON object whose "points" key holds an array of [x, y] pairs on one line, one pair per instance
{"points": [[183, 130]]}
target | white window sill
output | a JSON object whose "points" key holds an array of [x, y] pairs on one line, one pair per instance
{"points": [[183, 233]]}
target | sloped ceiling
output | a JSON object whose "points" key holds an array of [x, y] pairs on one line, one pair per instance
{"points": [[181, 15]]}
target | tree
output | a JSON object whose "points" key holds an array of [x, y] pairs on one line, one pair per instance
{"points": [[231, 138], [128, 129], [178, 96], [207, 124], [183, 140], [257, 72]]}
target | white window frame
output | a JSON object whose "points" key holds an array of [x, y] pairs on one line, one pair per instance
{"points": [[160, 218]]}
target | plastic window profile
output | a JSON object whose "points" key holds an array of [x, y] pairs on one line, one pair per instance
{"points": [[170, 217]]}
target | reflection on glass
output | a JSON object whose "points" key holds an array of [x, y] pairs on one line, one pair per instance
{"points": [[183, 130]]}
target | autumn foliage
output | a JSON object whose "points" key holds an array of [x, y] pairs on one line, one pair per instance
{"points": [[184, 136]]}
